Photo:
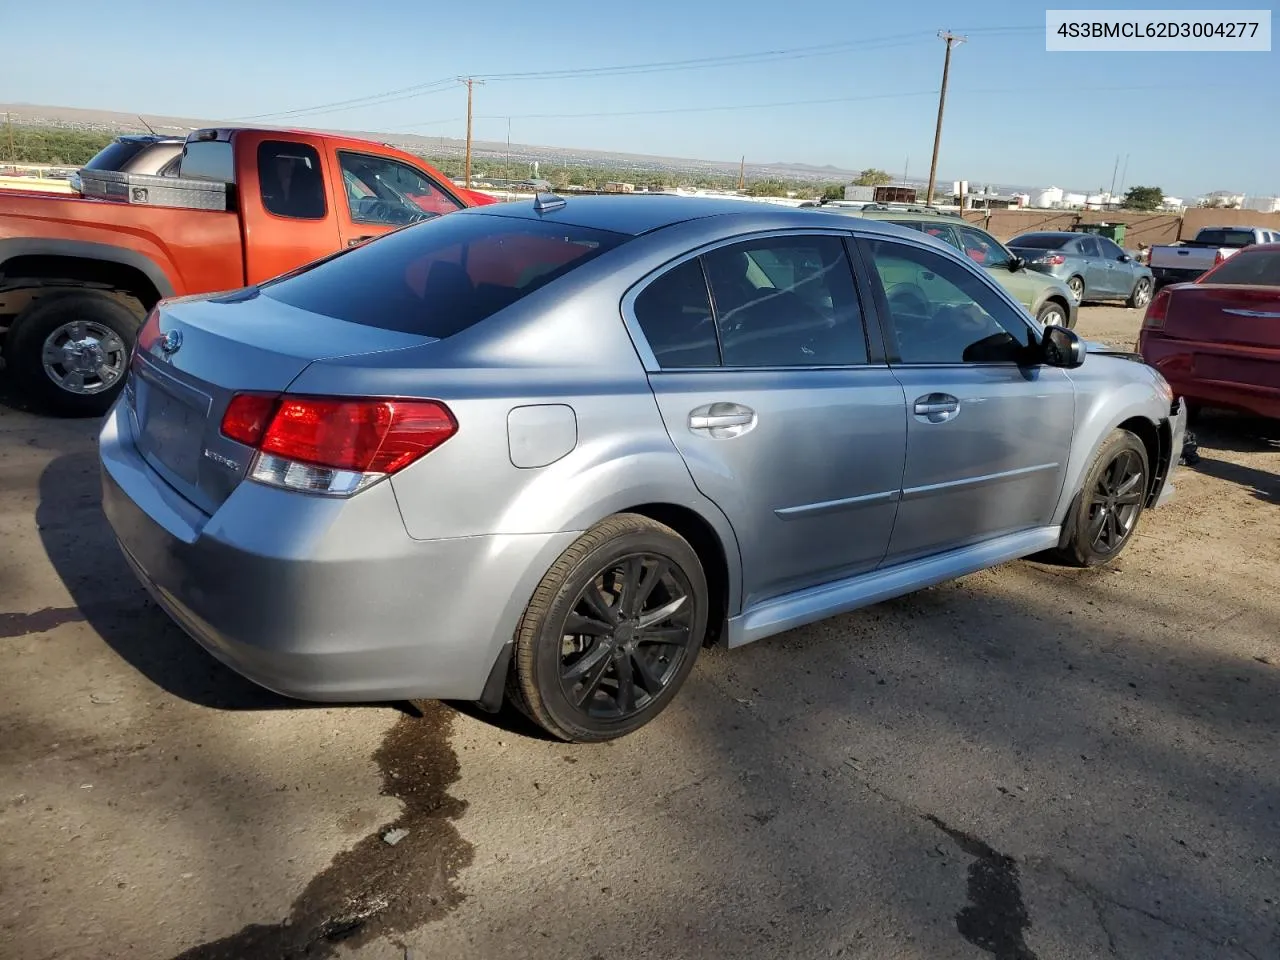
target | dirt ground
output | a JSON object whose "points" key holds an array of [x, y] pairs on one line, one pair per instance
{"points": [[1029, 763]]}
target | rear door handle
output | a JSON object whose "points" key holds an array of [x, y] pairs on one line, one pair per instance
{"points": [[936, 407], [356, 241], [722, 420]]}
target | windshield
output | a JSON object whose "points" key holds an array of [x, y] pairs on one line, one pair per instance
{"points": [[442, 276], [1251, 267], [1039, 241], [1225, 238]]}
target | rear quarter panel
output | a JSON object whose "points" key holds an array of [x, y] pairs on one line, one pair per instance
{"points": [[198, 251]]}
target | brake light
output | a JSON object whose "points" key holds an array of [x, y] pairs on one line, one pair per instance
{"points": [[247, 417], [1157, 311], [335, 446], [1053, 259], [148, 334], [1219, 257]]}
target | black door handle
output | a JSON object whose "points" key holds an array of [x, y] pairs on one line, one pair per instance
{"points": [[356, 241]]}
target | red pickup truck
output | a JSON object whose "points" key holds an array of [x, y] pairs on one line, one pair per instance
{"points": [[78, 274]]}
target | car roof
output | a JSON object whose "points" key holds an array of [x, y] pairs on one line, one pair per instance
{"points": [[1051, 233], [921, 215], [636, 214]]}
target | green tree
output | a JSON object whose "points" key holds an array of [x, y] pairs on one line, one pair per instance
{"points": [[1143, 198], [833, 192], [871, 177]]}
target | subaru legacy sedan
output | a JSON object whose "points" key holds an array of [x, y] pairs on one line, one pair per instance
{"points": [[548, 450]]}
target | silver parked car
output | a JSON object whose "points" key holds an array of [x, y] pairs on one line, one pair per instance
{"points": [[1093, 267], [550, 449]]}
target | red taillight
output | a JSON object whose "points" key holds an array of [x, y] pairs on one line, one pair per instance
{"points": [[1219, 257], [334, 445], [247, 417], [1157, 310], [148, 333], [366, 436], [1056, 259]]}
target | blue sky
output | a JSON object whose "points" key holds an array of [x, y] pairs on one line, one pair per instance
{"points": [[1189, 122]]}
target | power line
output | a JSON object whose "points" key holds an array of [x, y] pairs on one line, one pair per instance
{"points": [[619, 70]]}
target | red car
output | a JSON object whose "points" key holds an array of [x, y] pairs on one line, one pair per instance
{"points": [[1217, 340]]}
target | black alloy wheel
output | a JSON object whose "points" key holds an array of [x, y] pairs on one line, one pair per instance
{"points": [[611, 632], [1116, 502]]}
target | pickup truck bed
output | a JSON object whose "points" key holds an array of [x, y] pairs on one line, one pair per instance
{"points": [[1189, 260]]}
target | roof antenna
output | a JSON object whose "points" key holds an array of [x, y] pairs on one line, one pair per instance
{"points": [[148, 126], [546, 202]]}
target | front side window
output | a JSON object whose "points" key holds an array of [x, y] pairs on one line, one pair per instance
{"points": [[982, 248], [1110, 250], [386, 191], [290, 180], [786, 301], [441, 277], [941, 312]]}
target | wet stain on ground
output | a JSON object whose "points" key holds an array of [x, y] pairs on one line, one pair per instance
{"points": [[996, 919], [21, 624], [375, 888]]}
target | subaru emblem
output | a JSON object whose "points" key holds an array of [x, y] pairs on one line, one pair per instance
{"points": [[170, 342]]}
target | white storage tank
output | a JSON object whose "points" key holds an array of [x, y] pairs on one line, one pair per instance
{"points": [[1048, 197]]}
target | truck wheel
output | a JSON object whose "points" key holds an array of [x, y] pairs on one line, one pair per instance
{"points": [[68, 353], [611, 632], [1112, 496]]}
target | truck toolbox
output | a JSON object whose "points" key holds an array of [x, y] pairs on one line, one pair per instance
{"points": [[153, 191]]}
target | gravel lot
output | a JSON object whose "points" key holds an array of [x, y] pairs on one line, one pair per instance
{"points": [[1032, 762]]}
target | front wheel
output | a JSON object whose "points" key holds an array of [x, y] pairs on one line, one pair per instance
{"points": [[612, 631], [1141, 294], [1111, 501]]}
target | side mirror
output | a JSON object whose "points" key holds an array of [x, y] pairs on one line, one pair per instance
{"points": [[1062, 347], [1016, 264], [1124, 258]]}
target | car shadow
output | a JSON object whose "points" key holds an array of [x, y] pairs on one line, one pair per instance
{"points": [[1236, 432], [1263, 485]]}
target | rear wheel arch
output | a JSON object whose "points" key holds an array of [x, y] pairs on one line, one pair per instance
{"points": [[30, 276]]}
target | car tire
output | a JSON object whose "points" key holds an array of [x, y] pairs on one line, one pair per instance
{"points": [[1076, 286], [1141, 294], [1110, 502], [626, 662], [1053, 313], [41, 342]]}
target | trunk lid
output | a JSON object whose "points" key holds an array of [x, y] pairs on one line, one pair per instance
{"points": [[195, 354], [1227, 314]]}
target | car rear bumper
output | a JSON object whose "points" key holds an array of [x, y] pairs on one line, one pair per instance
{"points": [[317, 598], [1255, 391]]}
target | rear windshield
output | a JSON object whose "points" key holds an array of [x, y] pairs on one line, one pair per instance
{"points": [[115, 155], [1261, 267], [1225, 238], [1039, 241], [441, 277]]}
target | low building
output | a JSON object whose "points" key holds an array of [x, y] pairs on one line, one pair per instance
{"points": [[1262, 204], [617, 186]]}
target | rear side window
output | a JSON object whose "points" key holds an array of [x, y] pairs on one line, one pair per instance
{"points": [[674, 312], [442, 276], [208, 160], [290, 180], [1089, 247], [1261, 268]]}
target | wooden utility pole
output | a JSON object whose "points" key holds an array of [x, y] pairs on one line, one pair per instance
{"points": [[13, 154], [951, 40], [742, 173], [470, 82]]}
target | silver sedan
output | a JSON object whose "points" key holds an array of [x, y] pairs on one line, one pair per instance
{"points": [[548, 450]]}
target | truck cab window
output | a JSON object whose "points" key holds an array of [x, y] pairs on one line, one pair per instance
{"points": [[290, 180]]}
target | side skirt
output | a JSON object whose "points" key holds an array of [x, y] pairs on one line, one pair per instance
{"points": [[817, 603]]}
